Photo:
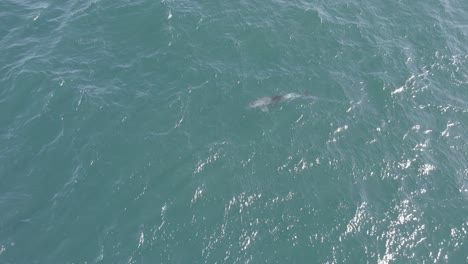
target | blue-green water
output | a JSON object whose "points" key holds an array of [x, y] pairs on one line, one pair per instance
{"points": [[125, 135]]}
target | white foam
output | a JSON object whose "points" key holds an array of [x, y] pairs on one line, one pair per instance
{"points": [[399, 90]]}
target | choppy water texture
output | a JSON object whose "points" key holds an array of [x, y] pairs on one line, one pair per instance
{"points": [[125, 135]]}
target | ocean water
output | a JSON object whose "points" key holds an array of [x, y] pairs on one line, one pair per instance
{"points": [[125, 135]]}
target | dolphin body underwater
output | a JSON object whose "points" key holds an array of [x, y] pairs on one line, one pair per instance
{"points": [[264, 102]]}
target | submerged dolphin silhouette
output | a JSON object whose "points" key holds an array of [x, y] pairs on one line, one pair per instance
{"points": [[264, 102]]}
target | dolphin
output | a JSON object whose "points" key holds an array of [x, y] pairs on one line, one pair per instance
{"points": [[263, 102]]}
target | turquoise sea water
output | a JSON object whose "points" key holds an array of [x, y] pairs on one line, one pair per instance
{"points": [[125, 135]]}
